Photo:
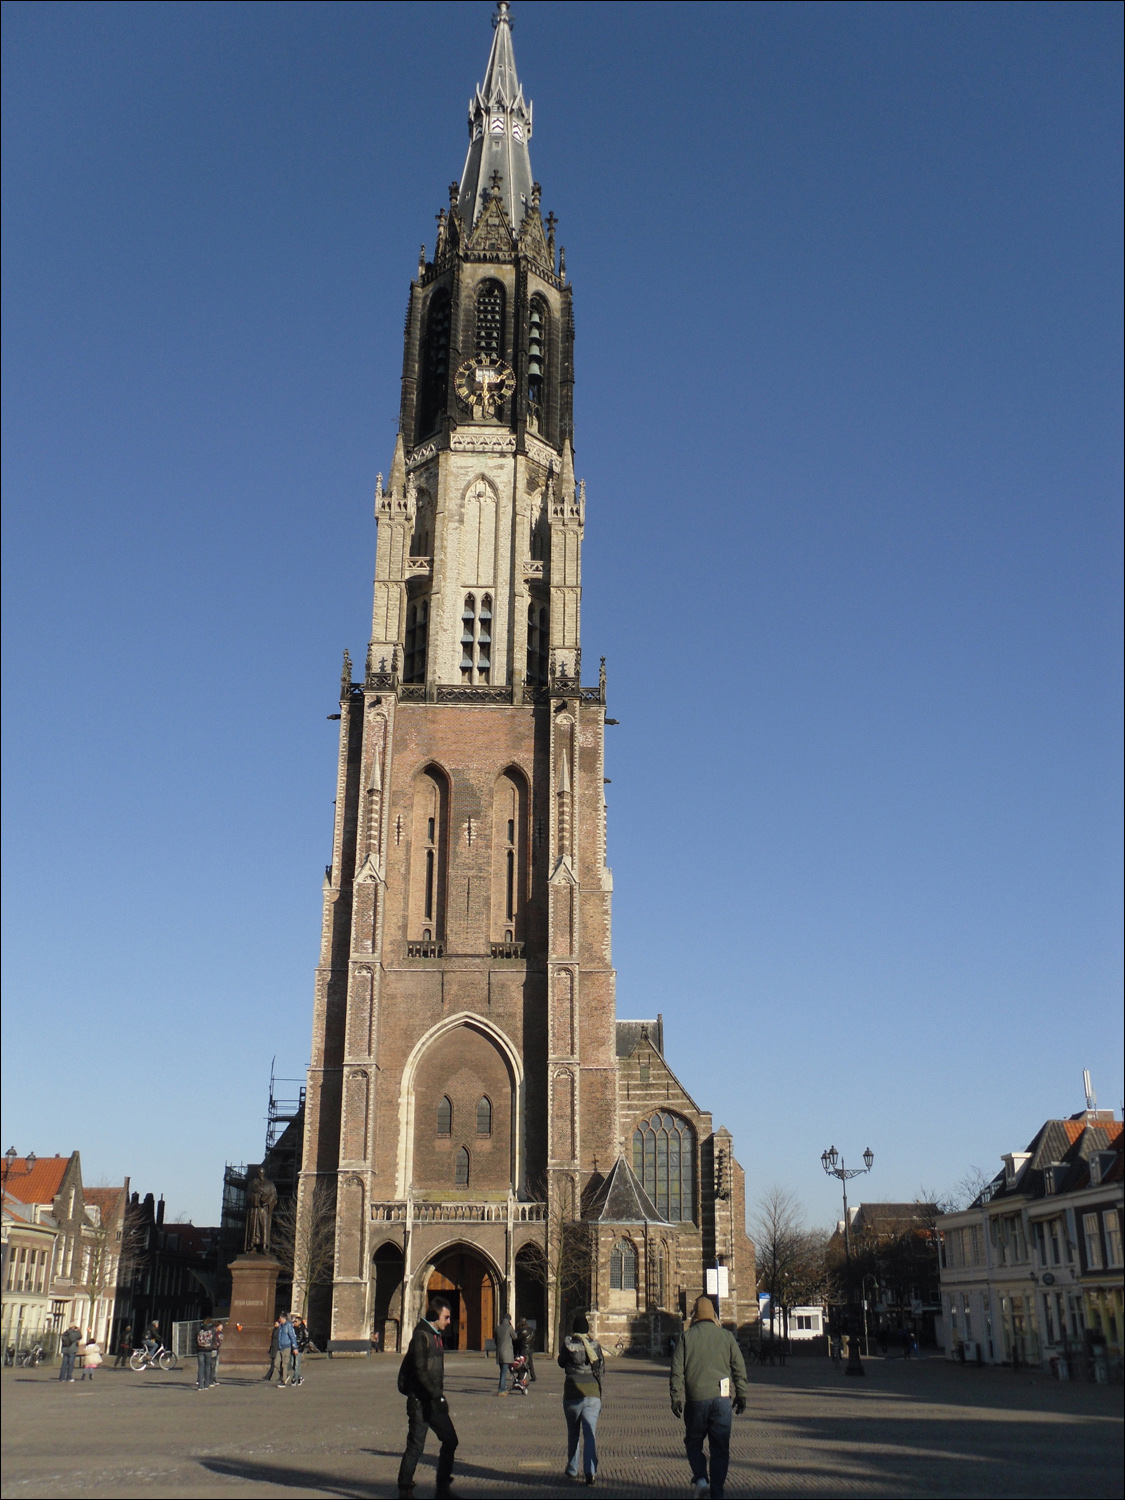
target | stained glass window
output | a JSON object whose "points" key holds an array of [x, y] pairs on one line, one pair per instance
{"points": [[663, 1159]]}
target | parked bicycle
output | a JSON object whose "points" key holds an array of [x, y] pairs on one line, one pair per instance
{"points": [[29, 1358], [152, 1359]]}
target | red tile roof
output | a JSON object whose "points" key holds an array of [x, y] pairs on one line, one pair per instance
{"points": [[41, 1184]]}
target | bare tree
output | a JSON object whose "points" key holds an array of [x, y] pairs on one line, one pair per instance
{"points": [[564, 1263], [790, 1257], [305, 1243]]}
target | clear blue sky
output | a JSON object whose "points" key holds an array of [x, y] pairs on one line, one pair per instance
{"points": [[848, 407]]}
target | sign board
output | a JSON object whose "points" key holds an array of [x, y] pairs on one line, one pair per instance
{"points": [[718, 1281]]}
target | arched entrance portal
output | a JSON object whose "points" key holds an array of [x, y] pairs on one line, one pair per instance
{"points": [[466, 1281]]}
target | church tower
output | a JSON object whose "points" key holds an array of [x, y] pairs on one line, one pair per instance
{"points": [[464, 1095]]}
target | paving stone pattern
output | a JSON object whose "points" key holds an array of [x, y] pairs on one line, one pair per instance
{"points": [[911, 1428]]}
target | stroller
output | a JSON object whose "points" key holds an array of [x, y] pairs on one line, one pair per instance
{"points": [[520, 1375]]}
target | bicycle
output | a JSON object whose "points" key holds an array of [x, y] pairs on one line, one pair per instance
{"points": [[835, 1353], [29, 1358], [152, 1359]]}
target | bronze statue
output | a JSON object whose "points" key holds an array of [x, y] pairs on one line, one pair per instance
{"points": [[261, 1200]]}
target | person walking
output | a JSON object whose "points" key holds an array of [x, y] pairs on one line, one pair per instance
{"points": [[124, 1347], [301, 1334], [421, 1379], [525, 1345], [68, 1350], [706, 1364], [583, 1364], [287, 1350], [204, 1343], [91, 1355], [505, 1337], [276, 1362]]}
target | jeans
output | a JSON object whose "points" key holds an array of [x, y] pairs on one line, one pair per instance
{"points": [[423, 1414], [203, 1369], [582, 1420], [708, 1421], [503, 1385], [66, 1369], [214, 1373], [294, 1366]]}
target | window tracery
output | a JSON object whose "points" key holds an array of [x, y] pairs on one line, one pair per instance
{"points": [[623, 1267], [664, 1161]]}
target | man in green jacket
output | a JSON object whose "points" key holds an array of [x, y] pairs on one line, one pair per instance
{"points": [[707, 1370]]}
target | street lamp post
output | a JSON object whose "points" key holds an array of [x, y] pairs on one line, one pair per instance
{"points": [[834, 1164]]}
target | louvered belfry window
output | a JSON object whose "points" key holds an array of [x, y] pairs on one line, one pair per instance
{"points": [[435, 363], [476, 639], [664, 1160], [490, 320], [536, 356]]}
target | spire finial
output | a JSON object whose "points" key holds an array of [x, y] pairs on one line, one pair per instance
{"points": [[503, 15]]}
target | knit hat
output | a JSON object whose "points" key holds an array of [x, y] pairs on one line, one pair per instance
{"points": [[704, 1311]]}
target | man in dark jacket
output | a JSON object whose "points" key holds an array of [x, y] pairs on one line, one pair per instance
{"points": [[505, 1337], [426, 1406], [276, 1361], [706, 1364], [68, 1348]]}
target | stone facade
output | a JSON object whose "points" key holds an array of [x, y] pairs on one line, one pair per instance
{"points": [[470, 1086]]}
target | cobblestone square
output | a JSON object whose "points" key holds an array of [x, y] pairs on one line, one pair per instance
{"points": [[911, 1428]]}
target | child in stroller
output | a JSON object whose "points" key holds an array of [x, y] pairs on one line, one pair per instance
{"points": [[520, 1375]]}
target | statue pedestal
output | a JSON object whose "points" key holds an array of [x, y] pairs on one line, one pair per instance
{"points": [[246, 1338]]}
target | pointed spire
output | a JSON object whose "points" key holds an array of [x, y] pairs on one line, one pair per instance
{"points": [[398, 468], [499, 130]]}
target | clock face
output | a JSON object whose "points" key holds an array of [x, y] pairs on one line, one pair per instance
{"points": [[484, 384]]}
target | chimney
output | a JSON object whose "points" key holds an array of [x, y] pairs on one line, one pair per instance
{"points": [[160, 1211]]}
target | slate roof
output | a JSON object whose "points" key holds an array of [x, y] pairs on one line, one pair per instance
{"points": [[41, 1184], [629, 1034], [499, 130], [622, 1200], [1068, 1144]]}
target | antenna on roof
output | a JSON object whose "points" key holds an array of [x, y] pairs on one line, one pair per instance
{"points": [[1091, 1097]]}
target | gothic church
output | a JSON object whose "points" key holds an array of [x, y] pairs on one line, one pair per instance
{"points": [[483, 1123]]}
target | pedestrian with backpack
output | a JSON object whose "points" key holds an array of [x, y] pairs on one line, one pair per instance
{"points": [[287, 1350], [204, 1345], [421, 1379], [706, 1365], [583, 1364]]}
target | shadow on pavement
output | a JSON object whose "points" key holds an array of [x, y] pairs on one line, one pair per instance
{"points": [[296, 1479]]}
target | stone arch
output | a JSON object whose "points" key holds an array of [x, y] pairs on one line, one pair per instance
{"points": [[471, 1280], [506, 1144], [478, 511]]}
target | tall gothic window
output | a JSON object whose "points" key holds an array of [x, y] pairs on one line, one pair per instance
{"points": [[490, 320], [538, 645], [428, 850], [435, 362], [509, 858], [663, 1159], [484, 1115], [417, 630], [445, 1116], [476, 639], [461, 1175], [538, 323], [623, 1267]]}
